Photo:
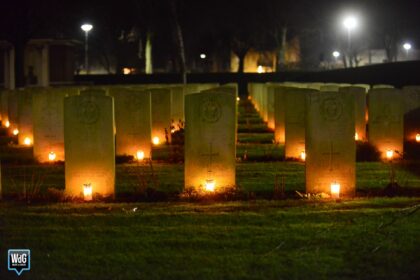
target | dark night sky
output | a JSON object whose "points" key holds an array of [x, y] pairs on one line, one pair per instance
{"points": [[51, 16], [209, 24]]}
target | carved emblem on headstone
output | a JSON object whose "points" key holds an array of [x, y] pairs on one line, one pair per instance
{"points": [[211, 110], [88, 112], [331, 109]]}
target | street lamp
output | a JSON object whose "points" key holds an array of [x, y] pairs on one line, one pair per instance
{"points": [[86, 28], [407, 47], [350, 23]]}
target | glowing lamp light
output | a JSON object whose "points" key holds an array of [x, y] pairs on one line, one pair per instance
{"points": [[27, 141], [7, 124], [203, 56], [356, 136], [335, 190], [350, 22], [86, 27], [126, 71], [87, 192], [238, 98], [15, 131], [407, 46], [140, 155], [418, 137], [52, 156], [389, 154], [336, 54], [303, 155], [156, 140], [209, 185], [260, 69], [173, 130]]}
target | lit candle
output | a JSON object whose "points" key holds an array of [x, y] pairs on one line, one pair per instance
{"points": [[335, 190], [51, 156], [356, 136], [389, 154], [27, 141], [7, 124], [303, 155], [156, 140], [238, 99], [209, 185], [15, 131], [418, 137], [87, 192], [140, 155]]}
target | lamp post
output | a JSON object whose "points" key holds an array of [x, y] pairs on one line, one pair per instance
{"points": [[86, 28], [407, 48], [350, 23]]}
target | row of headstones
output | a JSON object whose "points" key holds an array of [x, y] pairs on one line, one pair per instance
{"points": [[320, 123], [142, 114], [380, 110], [85, 124]]}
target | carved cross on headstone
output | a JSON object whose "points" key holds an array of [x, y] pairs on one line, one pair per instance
{"points": [[331, 154], [210, 156]]}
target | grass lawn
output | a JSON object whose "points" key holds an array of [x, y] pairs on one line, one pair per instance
{"points": [[255, 177], [356, 239]]}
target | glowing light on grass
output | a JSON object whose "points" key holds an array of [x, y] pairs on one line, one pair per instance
{"points": [[27, 141], [209, 185], [389, 154], [303, 155], [52, 156], [156, 140], [335, 190], [140, 155], [15, 131], [87, 192]]}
